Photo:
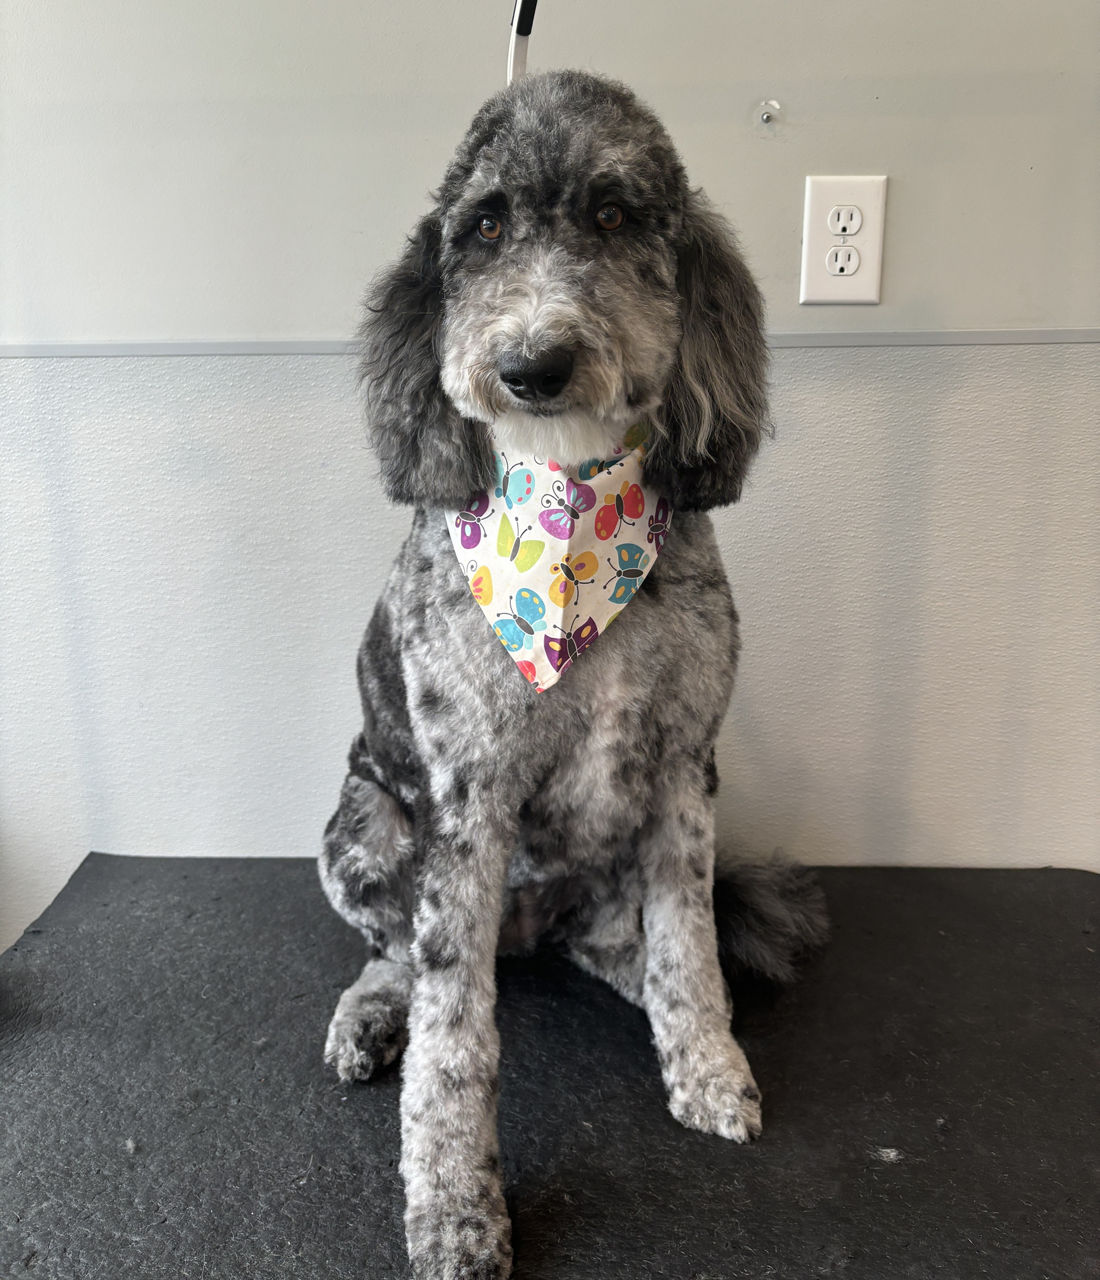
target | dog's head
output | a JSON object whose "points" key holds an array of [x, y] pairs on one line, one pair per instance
{"points": [[567, 285]]}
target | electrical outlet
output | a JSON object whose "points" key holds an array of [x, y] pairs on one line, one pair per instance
{"points": [[842, 261], [842, 231], [845, 220]]}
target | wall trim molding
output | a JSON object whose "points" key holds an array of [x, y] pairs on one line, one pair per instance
{"points": [[937, 338], [333, 347]]}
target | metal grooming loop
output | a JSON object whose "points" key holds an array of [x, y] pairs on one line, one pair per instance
{"points": [[523, 18]]}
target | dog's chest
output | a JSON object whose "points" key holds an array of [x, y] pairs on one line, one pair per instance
{"points": [[579, 761], [593, 795]]}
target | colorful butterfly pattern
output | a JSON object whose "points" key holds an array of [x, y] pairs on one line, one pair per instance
{"points": [[468, 521], [510, 545], [515, 484], [566, 505], [572, 572], [636, 437], [572, 643], [480, 578], [527, 670], [547, 609], [590, 469], [623, 507], [658, 525], [635, 441], [633, 562], [522, 621]]}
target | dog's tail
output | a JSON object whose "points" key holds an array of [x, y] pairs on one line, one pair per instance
{"points": [[769, 915]]}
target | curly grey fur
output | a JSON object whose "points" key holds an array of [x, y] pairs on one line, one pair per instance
{"points": [[664, 318], [478, 814]]}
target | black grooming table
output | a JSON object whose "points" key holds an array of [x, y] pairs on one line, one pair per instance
{"points": [[930, 1092]]}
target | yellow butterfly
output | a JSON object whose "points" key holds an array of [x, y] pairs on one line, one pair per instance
{"points": [[572, 572], [637, 435], [481, 584], [510, 545]]}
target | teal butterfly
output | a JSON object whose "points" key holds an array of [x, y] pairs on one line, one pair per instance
{"points": [[522, 620], [633, 562]]}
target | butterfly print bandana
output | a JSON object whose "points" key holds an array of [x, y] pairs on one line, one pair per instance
{"points": [[553, 555]]}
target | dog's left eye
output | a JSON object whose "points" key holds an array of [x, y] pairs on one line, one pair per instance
{"points": [[610, 217], [489, 228]]}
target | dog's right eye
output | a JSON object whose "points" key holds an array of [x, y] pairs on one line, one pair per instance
{"points": [[489, 228], [610, 217]]}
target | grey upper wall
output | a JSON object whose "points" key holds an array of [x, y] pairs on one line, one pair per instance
{"points": [[212, 172]]}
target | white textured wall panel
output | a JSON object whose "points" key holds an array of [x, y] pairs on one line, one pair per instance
{"points": [[918, 570], [190, 548]]}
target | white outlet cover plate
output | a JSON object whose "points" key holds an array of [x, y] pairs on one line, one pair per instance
{"points": [[824, 193]]}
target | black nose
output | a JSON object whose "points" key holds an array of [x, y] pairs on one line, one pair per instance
{"points": [[540, 378]]}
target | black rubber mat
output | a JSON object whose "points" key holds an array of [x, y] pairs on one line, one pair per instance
{"points": [[930, 1094]]}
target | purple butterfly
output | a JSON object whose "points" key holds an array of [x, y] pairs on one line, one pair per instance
{"points": [[572, 643], [469, 521], [570, 502], [658, 524]]}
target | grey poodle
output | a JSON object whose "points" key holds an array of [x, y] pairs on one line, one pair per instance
{"points": [[566, 284]]}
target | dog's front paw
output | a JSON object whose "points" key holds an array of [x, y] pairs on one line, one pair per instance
{"points": [[717, 1094], [362, 1041], [457, 1243]]}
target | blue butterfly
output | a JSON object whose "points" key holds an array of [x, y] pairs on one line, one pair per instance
{"points": [[520, 624], [515, 483], [633, 562]]}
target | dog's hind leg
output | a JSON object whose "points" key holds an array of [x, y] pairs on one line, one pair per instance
{"points": [[368, 873], [607, 941], [368, 1031]]}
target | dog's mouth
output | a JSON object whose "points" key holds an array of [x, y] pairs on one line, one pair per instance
{"points": [[546, 409]]}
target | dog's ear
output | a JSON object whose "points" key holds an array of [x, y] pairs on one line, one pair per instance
{"points": [[715, 409], [429, 454]]}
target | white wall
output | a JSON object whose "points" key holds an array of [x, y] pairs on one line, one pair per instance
{"points": [[190, 546]]}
